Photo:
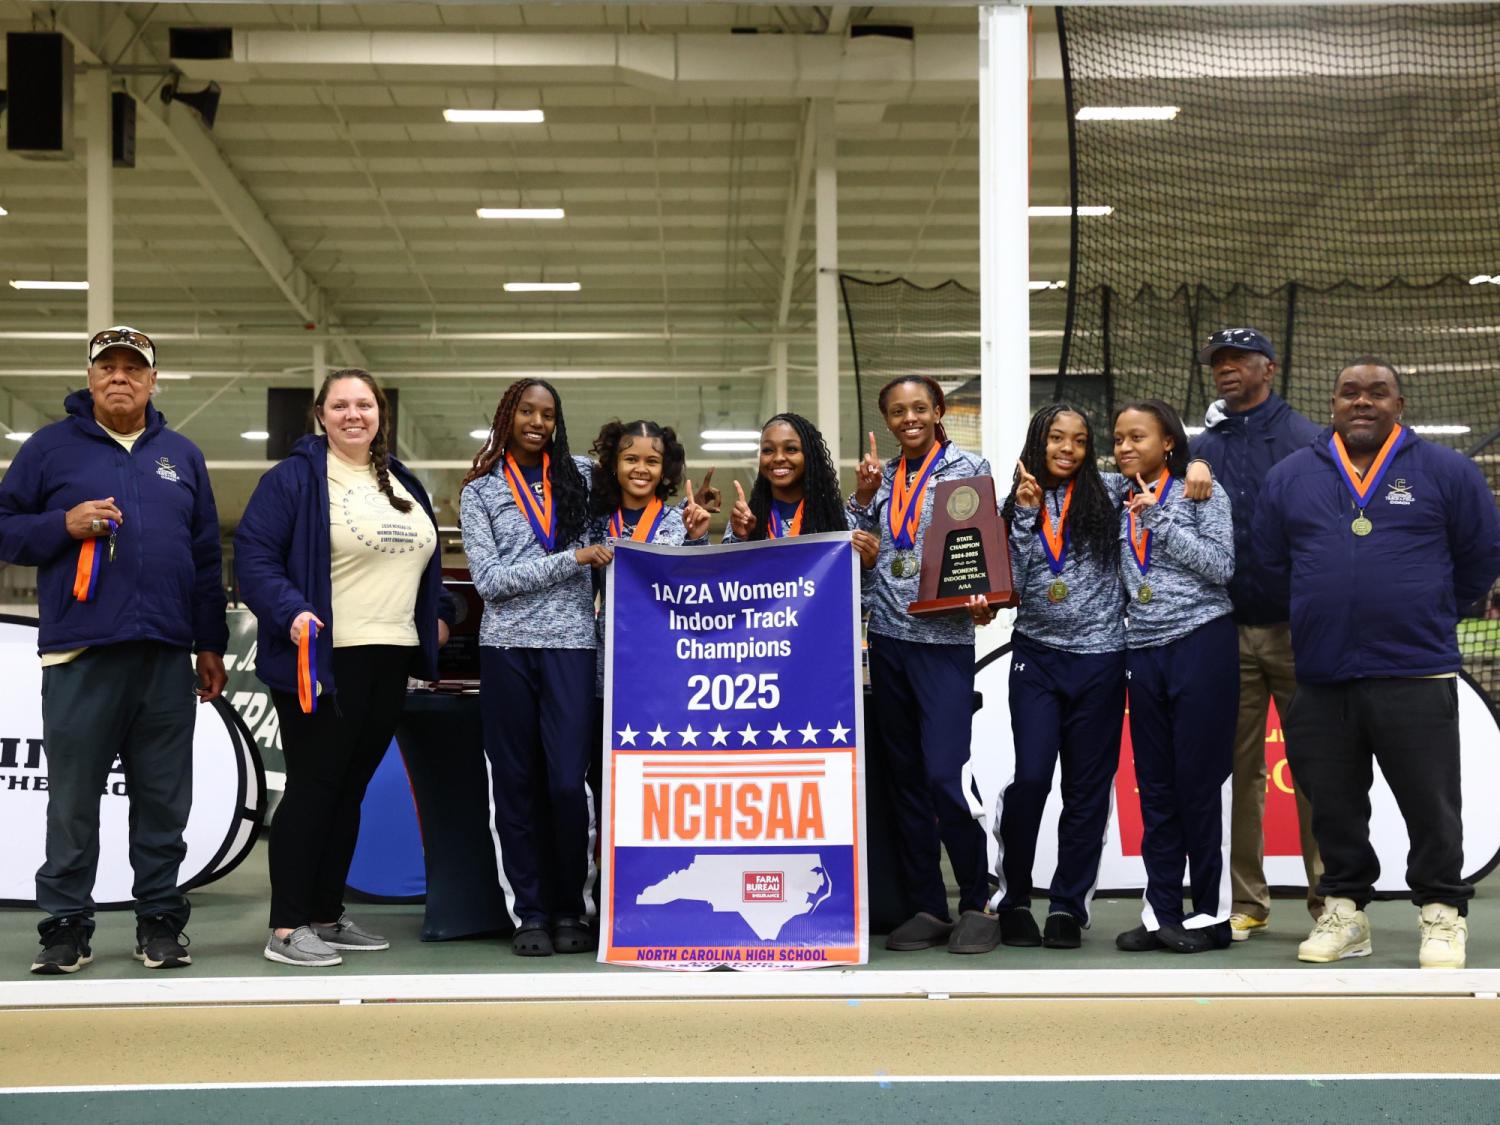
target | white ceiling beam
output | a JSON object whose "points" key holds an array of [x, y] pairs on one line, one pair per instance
{"points": [[873, 67], [103, 35]]}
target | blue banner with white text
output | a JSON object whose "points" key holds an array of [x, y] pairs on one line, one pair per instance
{"points": [[734, 768]]}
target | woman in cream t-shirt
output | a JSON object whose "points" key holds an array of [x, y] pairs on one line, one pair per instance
{"points": [[339, 539]]}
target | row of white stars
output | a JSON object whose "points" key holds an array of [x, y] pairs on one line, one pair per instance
{"points": [[836, 733]]}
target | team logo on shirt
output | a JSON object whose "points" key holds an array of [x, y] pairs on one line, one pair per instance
{"points": [[1400, 493], [166, 470]]}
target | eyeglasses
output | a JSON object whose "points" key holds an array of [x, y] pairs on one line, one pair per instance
{"points": [[112, 336]]}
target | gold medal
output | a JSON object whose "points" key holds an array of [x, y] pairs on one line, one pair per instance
{"points": [[1361, 526], [1145, 594], [904, 564], [1057, 591]]}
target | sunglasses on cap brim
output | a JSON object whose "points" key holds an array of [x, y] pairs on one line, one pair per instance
{"points": [[110, 337]]}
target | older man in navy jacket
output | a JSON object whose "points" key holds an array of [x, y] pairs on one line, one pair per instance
{"points": [[1381, 541], [1249, 429], [116, 512]]}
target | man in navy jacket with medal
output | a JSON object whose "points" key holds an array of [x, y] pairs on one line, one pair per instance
{"points": [[1381, 541], [115, 511]]}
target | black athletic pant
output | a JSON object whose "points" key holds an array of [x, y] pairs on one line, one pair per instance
{"points": [[136, 701], [1335, 735], [330, 757]]}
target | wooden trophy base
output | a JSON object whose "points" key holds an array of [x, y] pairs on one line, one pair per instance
{"points": [[948, 605], [964, 553]]}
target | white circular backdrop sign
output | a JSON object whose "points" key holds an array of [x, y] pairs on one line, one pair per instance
{"points": [[228, 789], [1121, 867]]}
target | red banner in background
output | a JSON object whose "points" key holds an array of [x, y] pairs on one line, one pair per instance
{"points": [[1282, 837]]}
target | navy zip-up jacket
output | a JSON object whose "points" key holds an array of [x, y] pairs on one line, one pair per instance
{"points": [[1386, 604], [284, 562], [1241, 449], [166, 582]]}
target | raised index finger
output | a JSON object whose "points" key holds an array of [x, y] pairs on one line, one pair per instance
{"points": [[873, 452], [740, 492], [708, 476]]}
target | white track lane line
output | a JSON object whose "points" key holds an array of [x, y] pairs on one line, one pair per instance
{"points": [[744, 1080]]}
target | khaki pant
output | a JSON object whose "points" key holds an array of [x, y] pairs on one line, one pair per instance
{"points": [[1266, 671]]}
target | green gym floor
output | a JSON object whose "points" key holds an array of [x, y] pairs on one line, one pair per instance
{"points": [[465, 1031], [229, 920]]}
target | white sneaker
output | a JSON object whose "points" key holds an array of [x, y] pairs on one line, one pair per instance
{"points": [[1343, 931], [1445, 937]]}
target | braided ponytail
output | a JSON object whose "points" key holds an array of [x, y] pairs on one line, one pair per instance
{"points": [[380, 461], [380, 454]]}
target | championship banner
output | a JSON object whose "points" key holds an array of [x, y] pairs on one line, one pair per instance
{"points": [[734, 757]]}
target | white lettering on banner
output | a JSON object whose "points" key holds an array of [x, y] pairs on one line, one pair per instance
{"points": [[733, 798], [224, 785]]}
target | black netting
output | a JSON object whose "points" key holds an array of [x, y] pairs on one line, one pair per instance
{"points": [[1332, 178], [898, 328]]}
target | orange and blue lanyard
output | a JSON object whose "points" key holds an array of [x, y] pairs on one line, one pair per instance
{"points": [[778, 528], [1055, 538], [307, 668], [86, 576], [905, 510], [538, 513], [1140, 544], [645, 528], [1363, 487]]}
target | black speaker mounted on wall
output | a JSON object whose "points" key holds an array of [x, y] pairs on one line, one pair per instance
{"points": [[39, 85], [122, 129]]}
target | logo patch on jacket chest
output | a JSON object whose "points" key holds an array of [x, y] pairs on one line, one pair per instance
{"points": [[166, 470], [1400, 493]]}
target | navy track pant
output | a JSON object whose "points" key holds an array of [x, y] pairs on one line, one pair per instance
{"points": [[536, 705], [1070, 706], [1183, 704], [923, 696]]}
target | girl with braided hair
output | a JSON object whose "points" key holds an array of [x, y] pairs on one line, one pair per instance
{"points": [[337, 556], [796, 491], [524, 512], [1067, 678]]}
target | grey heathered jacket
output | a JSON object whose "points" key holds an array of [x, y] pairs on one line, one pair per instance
{"points": [[1091, 619], [532, 599], [1192, 558], [886, 596]]}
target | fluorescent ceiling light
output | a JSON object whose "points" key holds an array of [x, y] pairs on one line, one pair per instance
{"points": [[18, 435], [730, 435], [1040, 285], [176, 375], [494, 116], [1484, 278], [1047, 211], [1192, 431], [1128, 113], [255, 435], [542, 286], [3, 211], [49, 284], [479, 435], [1441, 429], [520, 212], [730, 447]]}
